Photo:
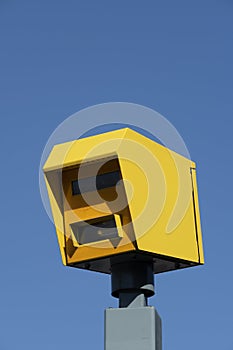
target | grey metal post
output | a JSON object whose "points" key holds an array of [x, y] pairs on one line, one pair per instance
{"points": [[134, 325]]}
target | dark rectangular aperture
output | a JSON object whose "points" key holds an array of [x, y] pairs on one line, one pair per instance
{"points": [[99, 182], [95, 231]]}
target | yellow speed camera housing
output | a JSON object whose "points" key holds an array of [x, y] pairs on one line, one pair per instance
{"points": [[121, 193]]}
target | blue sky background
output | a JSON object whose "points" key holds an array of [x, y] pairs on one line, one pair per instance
{"points": [[57, 57]]}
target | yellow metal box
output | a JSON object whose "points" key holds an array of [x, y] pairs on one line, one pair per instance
{"points": [[121, 193]]}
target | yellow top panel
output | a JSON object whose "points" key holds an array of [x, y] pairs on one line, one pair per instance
{"points": [[91, 148]]}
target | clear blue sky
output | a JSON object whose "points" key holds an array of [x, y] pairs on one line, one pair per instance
{"points": [[57, 57]]}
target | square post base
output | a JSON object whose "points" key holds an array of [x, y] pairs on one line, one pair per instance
{"points": [[133, 329]]}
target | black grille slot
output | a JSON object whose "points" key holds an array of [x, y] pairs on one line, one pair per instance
{"points": [[100, 181]]}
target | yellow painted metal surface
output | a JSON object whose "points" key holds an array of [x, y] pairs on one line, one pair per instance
{"points": [[197, 215], [153, 201]]}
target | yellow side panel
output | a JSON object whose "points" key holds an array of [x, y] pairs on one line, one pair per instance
{"points": [[58, 221], [198, 221], [160, 194]]}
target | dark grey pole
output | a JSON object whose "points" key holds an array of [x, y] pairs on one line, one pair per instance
{"points": [[132, 282], [134, 325]]}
